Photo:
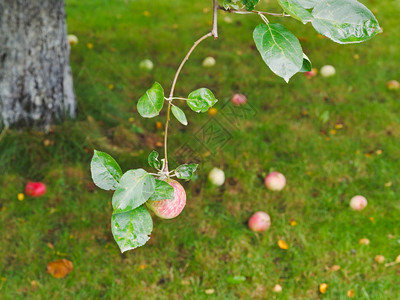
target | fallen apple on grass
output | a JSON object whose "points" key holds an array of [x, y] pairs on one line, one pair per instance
{"points": [[275, 181], [216, 177], [238, 99], [209, 62], [146, 64], [312, 73], [358, 202], [35, 189], [169, 209], [328, 71], [72, 39], [277, 288], [259, 222], [393, 85]]}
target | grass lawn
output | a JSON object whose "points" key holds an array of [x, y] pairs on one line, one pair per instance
{"points": [[332, 138]]}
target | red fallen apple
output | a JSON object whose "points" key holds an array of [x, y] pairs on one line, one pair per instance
{"points": [[259, 222], [169, 209], [275, 181], [358, 202], [35, 189], [238, 99], [393, 85], [312, 73]]}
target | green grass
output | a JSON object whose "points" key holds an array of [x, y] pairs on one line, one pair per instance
{"points": [[209, 241]]}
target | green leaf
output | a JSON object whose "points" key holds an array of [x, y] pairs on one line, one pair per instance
{"points": [[106, 173], [162, 191], [153, 160], [250, 4], [239, 4], [186, 171], [298, 9], [201, 100], [324, 117], [131, 229], [134, 189], [279, 49], [232, 4], [307, 65], [151, 103], [344, 21], [179, 114], [235, 279]]}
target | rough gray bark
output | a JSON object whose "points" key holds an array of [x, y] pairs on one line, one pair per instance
{"points": [[35, 77]]}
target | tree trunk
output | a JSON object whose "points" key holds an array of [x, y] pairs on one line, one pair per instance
{"points": [[35, 77]]}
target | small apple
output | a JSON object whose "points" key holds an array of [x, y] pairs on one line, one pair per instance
{"points": [[228, 19], [238, 99], [328, 71], [358, 202], [209, 62], [35, 189], [259, 222], [146, 65], [216, 176], [72, 39], [380, 259], [169, 209], [312, 73], [277, 288], [393, 85], [275, 181]]}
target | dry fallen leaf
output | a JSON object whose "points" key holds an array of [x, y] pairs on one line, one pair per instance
{"points": [[323, 287], [364, 241], [335, 268], [60, 268], [20, 196], [379, 259], [34, 284], [141, 267], [283, 245], [395, 262], [350, 293], [209, 291]]}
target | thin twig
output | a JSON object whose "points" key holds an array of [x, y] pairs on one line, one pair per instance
{"points": [[213, 33], [171, 94], [176, 98], [215, 19], [247, 12]]}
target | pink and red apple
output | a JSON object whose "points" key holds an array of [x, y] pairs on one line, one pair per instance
{"points": [[238, 99], [275, 181], [169, 209], [312, 73], [358, 202], [35, 189], [259, 222]]}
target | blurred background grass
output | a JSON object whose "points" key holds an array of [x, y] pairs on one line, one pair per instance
{"points": [[332, 138]]}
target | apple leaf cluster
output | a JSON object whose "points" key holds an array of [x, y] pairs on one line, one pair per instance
{"points": [[131, 222]]}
